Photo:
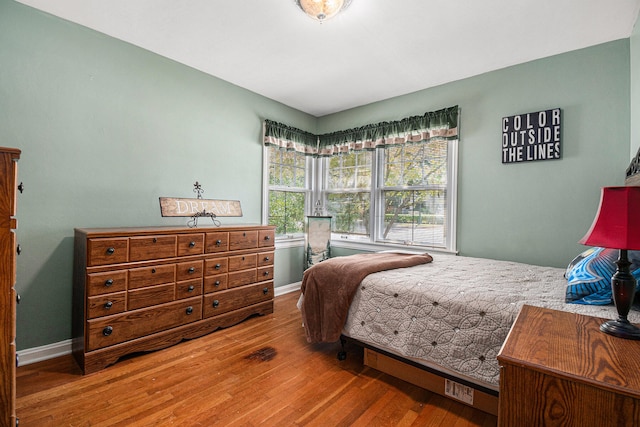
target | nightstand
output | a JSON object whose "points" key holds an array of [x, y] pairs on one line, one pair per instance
{"points": [[558, 369]]}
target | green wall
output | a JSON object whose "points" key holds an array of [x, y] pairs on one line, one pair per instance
{"points": [[106, 128], [532, 212]]}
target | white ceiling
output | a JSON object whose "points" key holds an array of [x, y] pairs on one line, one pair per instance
{"points": [[376, 49]]}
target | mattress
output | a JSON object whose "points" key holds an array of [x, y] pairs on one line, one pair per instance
{"points": [[454, 313]]}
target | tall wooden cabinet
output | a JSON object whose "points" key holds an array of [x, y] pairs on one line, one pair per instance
{"points": [[141, 289], [8, 223]]}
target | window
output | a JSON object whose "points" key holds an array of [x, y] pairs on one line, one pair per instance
{"points": [[287, 190], [389, 183], [404, 191], [348, 196], [413, 194]]}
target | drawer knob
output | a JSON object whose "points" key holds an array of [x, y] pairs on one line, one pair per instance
{"points": [[21, 187], [217, 283], [266, 258], [266, 273], [18, 298], [18, 249], [155, 240], [265, 291], [108, 305], [216, 303], [218, 266], [192, 270], [108, 283], [267, 237], [111, 251], [191, 288], [153, 271], [218, 242], [107, 331], [192, 244], [189, 310]]}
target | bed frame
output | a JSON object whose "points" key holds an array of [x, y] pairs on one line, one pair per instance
{"points": [[479, 397]]}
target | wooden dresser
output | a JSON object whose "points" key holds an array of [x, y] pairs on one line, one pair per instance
{"points": [[558, 369], [8, 296], [142, 289]]}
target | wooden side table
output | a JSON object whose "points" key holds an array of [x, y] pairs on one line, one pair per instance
{"points": [[558, 369]]}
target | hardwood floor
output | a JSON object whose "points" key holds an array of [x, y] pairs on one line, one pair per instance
{"points": [[260, 372]]}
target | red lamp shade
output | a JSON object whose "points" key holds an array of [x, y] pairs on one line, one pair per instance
{"points": [[617, 223]]}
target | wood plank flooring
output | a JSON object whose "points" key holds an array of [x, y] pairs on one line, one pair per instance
{"points": [[260, 372]]}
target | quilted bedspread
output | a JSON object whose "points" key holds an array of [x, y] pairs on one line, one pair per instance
{"points": [[455, 312]]}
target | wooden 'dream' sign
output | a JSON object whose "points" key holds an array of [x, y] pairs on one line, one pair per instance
{"points": [[171, 206]]}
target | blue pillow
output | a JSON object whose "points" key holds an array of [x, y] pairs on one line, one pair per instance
{"points": [[589, 275]]}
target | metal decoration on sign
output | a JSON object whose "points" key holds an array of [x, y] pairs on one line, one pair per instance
{"points": [[532, 136], [199, 207]]}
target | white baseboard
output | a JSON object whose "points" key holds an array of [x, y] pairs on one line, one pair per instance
{"points": [[62, 348], [45, 352]]}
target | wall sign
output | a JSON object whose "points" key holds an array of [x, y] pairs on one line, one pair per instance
{"points": [[532, 136]]}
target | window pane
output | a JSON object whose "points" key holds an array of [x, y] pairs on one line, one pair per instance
{"points": [[286, 168], [350, 171], [350, 212], [416, 164], [286, 211], [414, 217]]}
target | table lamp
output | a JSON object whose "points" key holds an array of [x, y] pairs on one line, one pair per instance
{"points": [[617, 226]]}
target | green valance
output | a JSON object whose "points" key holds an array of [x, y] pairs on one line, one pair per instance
{"points": [[289, 138], [437, 125]]}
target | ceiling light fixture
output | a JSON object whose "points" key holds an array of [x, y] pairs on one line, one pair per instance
{"points": [[321, 10]]}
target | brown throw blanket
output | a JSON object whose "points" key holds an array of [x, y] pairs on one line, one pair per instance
{"points": [[329, 287]]}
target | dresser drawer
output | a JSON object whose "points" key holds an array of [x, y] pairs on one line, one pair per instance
{"points": [[152, 247], [240, 278], [217, 242], [149, 276], [188, 288], [189, 270], [265, 258], [242, 262], [266, 238], [190, 244], [243, 240], [151, 295], [107, 282], [215, 266], [215, 283], [119, 328], [107, 251], [233, 299], [265, 273], [105, 305]]}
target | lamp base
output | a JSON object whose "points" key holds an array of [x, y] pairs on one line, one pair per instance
{"points": [[621, 328]]}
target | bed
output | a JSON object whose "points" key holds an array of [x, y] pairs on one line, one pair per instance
{"points": [[441, 324]]}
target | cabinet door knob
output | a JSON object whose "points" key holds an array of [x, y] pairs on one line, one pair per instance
{"points": [[107, 331], [189, 310], [216, 303]]}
